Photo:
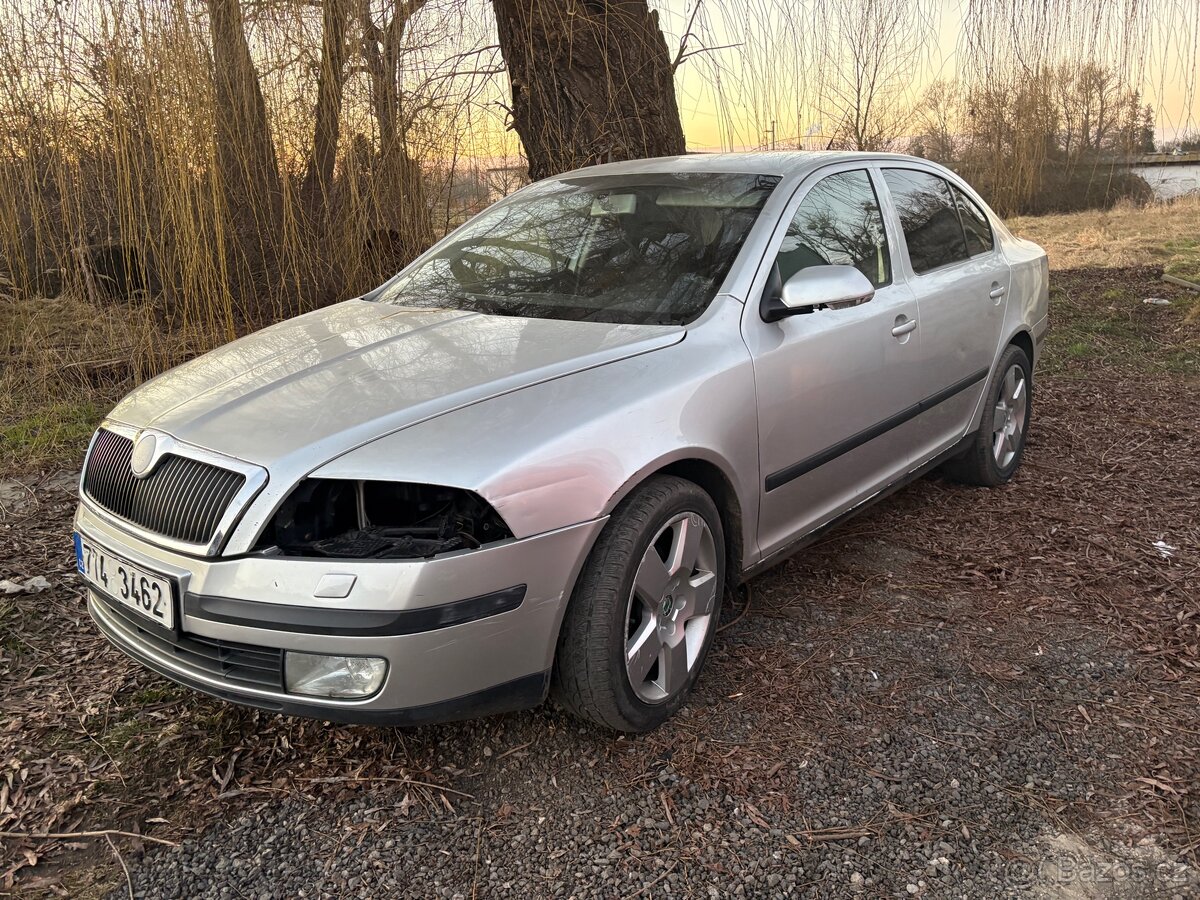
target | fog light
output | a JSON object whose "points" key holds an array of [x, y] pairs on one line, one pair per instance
{"points": [[318, 675]]}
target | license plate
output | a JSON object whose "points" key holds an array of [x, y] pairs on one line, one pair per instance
{"points": [[132, 586]]}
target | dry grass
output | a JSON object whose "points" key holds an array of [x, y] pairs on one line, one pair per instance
{"points": [[157, 146], [65, 362], [1161, 234]]}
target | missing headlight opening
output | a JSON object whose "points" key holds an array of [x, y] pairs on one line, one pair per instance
{"points": [[380, 520]]}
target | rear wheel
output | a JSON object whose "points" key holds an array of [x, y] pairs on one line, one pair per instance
{"points": [[645, 608], [998, 445]]}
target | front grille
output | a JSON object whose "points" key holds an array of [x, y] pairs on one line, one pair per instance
{"points": [[183, 499], [237, 664]]}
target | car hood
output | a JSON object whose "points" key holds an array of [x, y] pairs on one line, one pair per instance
{"points": [[313, 387]]}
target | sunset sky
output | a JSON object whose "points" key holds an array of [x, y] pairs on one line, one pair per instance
{"points": [[723, 96]]}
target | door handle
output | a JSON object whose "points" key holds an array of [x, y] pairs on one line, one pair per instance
{"points": [[996, 292], [904, 328]]}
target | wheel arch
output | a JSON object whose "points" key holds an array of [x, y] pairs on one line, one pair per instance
{"points": [[1023, 338], [716, 480]]}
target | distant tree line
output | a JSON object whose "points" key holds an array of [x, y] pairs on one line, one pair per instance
{"points": [[1188, 142], [236, 161], [1056, 141]]}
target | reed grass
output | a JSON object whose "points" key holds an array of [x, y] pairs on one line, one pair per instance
{"points": [[110, 141]]}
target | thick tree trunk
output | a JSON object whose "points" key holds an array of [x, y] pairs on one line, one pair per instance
{"points": [[318, 175], [592, 81], [400, 224], [245, 152]]}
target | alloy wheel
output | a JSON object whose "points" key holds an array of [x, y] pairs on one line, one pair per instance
{"points": [[1008, 418], [670, 608]]}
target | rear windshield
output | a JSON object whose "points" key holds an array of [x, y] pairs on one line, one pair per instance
{"points": [[634, 249]]}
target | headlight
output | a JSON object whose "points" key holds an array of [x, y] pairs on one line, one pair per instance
{"points": [[318, 675]]}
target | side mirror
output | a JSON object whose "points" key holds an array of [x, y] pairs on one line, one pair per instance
{"points": [[817, 287]]}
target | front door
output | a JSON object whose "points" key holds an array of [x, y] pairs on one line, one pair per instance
{"points": [[833, 385]]}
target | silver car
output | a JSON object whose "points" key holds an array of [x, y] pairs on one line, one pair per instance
{"points": [[537, 459]]}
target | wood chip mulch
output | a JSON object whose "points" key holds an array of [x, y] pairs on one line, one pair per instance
{"points": [[1097, 542]]}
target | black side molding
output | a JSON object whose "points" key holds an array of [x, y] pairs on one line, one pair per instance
{"points": [[351, 622], [795, 470], [811, 537]]}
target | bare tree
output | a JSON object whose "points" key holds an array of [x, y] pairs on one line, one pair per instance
{"points": [[318, 176], [591, 82], [1012, 137], [763, 84], [872, 49], [1098, 109], [187, 132], [402, 225], [938, 118], [246, 161]]}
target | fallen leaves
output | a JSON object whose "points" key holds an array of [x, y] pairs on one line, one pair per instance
{"points": [[89, 741]]}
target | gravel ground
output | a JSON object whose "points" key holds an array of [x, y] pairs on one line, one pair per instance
{"points": [[972, 819], [948, 787], [977, 694]]}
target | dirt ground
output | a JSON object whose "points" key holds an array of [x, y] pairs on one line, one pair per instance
{"points": [[960, 693]]}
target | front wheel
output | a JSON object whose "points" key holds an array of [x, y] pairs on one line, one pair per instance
{"points": [[998, 445], [645, 608]]}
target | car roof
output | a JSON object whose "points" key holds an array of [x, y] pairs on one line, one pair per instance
{"points": [[776, 162]]}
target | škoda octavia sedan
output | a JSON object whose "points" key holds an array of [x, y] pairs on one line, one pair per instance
{"points": [[537, 459]]}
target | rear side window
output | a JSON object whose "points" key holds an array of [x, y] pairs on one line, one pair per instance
{"points": [[975, 225], [838, 224], [929, 216]]}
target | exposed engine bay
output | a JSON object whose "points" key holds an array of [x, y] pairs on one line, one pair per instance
{"points": [[380, 520]]}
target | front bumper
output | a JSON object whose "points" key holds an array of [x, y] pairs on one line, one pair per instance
{"points": [[459, 637]]}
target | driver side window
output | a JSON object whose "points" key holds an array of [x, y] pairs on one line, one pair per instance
{"points": [[838, 224]]}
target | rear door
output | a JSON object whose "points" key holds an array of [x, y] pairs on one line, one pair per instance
{"points": [[961, 282], [833, 385]]}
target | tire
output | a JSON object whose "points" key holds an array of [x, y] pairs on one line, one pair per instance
{"points": [[607, 618], [990, 461]]}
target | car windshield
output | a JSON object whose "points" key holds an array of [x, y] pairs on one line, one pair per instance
{"points": [[646, 249]]}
